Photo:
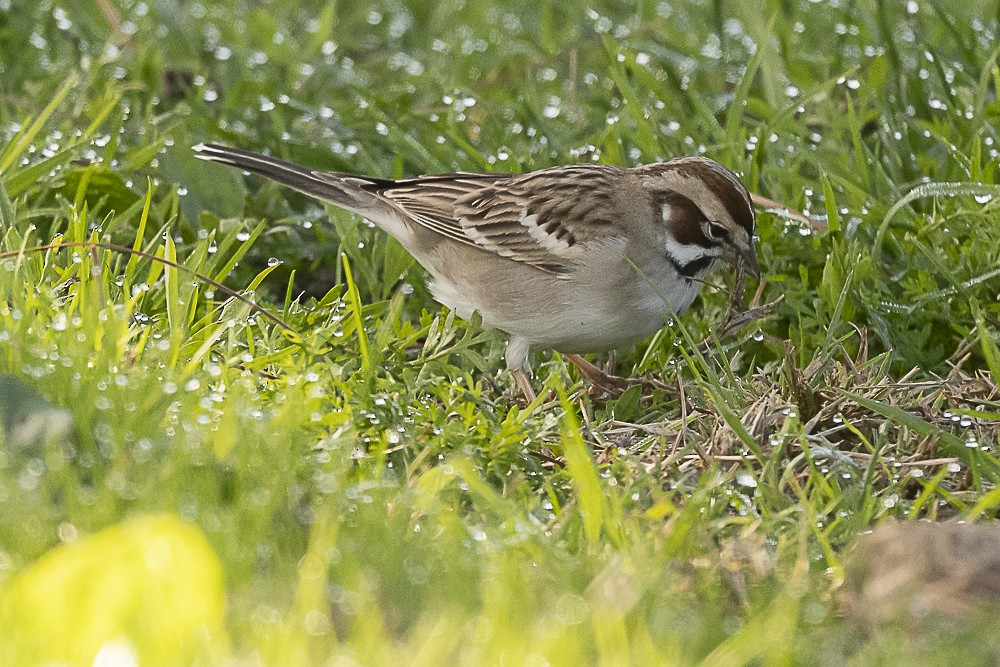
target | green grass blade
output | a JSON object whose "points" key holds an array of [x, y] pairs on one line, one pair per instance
{"points": [[580, 465], [14, 150], [353, 298], [951, 444]]}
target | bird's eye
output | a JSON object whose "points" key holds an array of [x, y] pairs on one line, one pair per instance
{"points": [[717, 232]]}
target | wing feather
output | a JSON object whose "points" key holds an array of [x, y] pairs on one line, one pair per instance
{"points": [[538, 218]]}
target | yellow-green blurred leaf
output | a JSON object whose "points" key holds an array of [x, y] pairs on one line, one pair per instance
{"points": [[151, 587]]}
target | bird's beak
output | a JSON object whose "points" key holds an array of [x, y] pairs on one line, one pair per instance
{"points": [[749, 256]]}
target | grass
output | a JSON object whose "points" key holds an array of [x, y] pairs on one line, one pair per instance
{"points": [[282, 451]]}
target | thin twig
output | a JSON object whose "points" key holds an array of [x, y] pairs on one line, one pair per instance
{"points": [[781, 209], [734, 323]]}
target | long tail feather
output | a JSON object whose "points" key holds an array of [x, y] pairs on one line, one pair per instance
{"points": [[341, 191]]}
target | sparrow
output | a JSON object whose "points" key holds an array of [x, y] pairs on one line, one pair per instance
{"points": [[577, 258]]}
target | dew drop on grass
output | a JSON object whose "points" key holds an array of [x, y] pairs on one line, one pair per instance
{"points": [[242, 236]]}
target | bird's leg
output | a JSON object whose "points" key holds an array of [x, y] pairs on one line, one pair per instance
{"points": [[597, 377], [517, 361], [607, 382], [524, 382], [614, 385]]}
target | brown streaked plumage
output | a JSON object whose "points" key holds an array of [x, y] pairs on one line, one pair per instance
{"points": [[579, 258]]}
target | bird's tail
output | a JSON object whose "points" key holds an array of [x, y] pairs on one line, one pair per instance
{"points": [[341, 190]]}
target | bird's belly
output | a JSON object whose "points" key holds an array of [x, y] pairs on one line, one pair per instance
{"points": [[597, 326], [571, 315]]}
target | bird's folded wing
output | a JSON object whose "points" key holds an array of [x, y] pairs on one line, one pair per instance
{"points": [[539, 218]]}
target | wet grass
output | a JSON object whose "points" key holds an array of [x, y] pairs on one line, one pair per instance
{"points": [[362, 483]]}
